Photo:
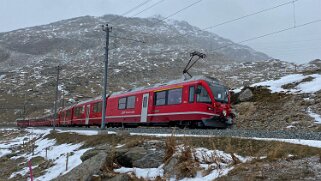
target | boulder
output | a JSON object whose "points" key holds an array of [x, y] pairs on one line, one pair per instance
{"points": [[246, 95], [169, 168], [153, 159], [85, 171], [90, 153], [132, 155], [119, 177]]}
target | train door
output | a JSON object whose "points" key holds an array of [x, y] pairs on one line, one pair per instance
{"points": [[143, 117], [87, 114]]}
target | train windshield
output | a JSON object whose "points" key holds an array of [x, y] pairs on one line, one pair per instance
{"points": [[220, 93]]}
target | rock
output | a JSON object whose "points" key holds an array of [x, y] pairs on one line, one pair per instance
{"points": [[119, 177], [95, 178], [88, 154], [85, 170], [169, 168], [245, 95], [153, 159], [309, 101], [131, 156]]}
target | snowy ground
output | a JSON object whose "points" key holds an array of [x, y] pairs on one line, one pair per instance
{"points": [[210, 168], [56, 153], [303, 87]]}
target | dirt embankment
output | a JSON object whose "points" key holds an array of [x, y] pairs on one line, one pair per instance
{"points": [[276, 111]]}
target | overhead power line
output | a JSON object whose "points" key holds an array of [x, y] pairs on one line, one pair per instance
{"points": [[240, 18], [129, 11], [175, 13], [129, 39], [272, 33], [149, 7], [249, 15]]}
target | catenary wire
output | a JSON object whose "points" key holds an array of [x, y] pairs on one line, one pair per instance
{"points": [[149, 7]]}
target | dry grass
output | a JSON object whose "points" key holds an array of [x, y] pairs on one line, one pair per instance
{"points": [[94, 140], [170, 147], [256, 148], [187, 166]]}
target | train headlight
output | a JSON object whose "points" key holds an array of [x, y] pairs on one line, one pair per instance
{"points": [[224, 113]]}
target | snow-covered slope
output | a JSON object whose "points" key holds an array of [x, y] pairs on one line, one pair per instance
{"points": [[294, 83]]}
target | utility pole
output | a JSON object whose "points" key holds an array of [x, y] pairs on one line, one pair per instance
{"points": [[56, 99], [103, 116], [24, 107]]}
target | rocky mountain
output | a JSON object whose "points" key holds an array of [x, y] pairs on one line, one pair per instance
{"points": [[82, 39]]}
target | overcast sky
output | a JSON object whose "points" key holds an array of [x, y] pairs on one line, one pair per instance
{"points": [[298, 45]]}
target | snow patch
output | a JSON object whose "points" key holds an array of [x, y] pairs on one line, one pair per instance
{"points": [[56, 153], [317, 117], [304, 87]]}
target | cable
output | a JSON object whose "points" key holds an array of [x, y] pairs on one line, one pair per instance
{"points": [[129, 11], [173, 14], [130, 39], [149, 7], [272, 33], [242, 17], [294, 17]]}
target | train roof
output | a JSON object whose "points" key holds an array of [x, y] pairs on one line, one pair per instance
{"points": [[177, 81]]}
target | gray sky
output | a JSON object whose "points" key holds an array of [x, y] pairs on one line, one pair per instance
{"points": [[299, 45]]}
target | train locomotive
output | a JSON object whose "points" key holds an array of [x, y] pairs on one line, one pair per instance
{"points": [[195, 102]]}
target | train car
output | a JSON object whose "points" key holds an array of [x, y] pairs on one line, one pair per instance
{"points": [[87, 113], [22, 123], [65, 116], [197, 102]]}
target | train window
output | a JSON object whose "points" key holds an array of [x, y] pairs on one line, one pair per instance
{"points": [[203, 96], [191, 94], [100, 106], [131, 102], [97, 107], [160, 98], [174, 96], [145, 102], [68, 114], [77, 111], [122, 103]]}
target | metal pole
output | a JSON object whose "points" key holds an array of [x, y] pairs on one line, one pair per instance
{"points": [[56, 99], [24, 108], [103, 116]]}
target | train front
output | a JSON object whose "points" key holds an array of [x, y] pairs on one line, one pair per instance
{"points": [[221, 106]]}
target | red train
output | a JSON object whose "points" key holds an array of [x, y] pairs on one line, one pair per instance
{"points": [[197, 102]]}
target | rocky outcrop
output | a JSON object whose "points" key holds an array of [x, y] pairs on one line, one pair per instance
{"points": [[85, 171], [140, 157], [245, 95]]}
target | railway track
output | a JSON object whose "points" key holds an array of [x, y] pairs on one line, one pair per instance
{"points": [[161, 131]]}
